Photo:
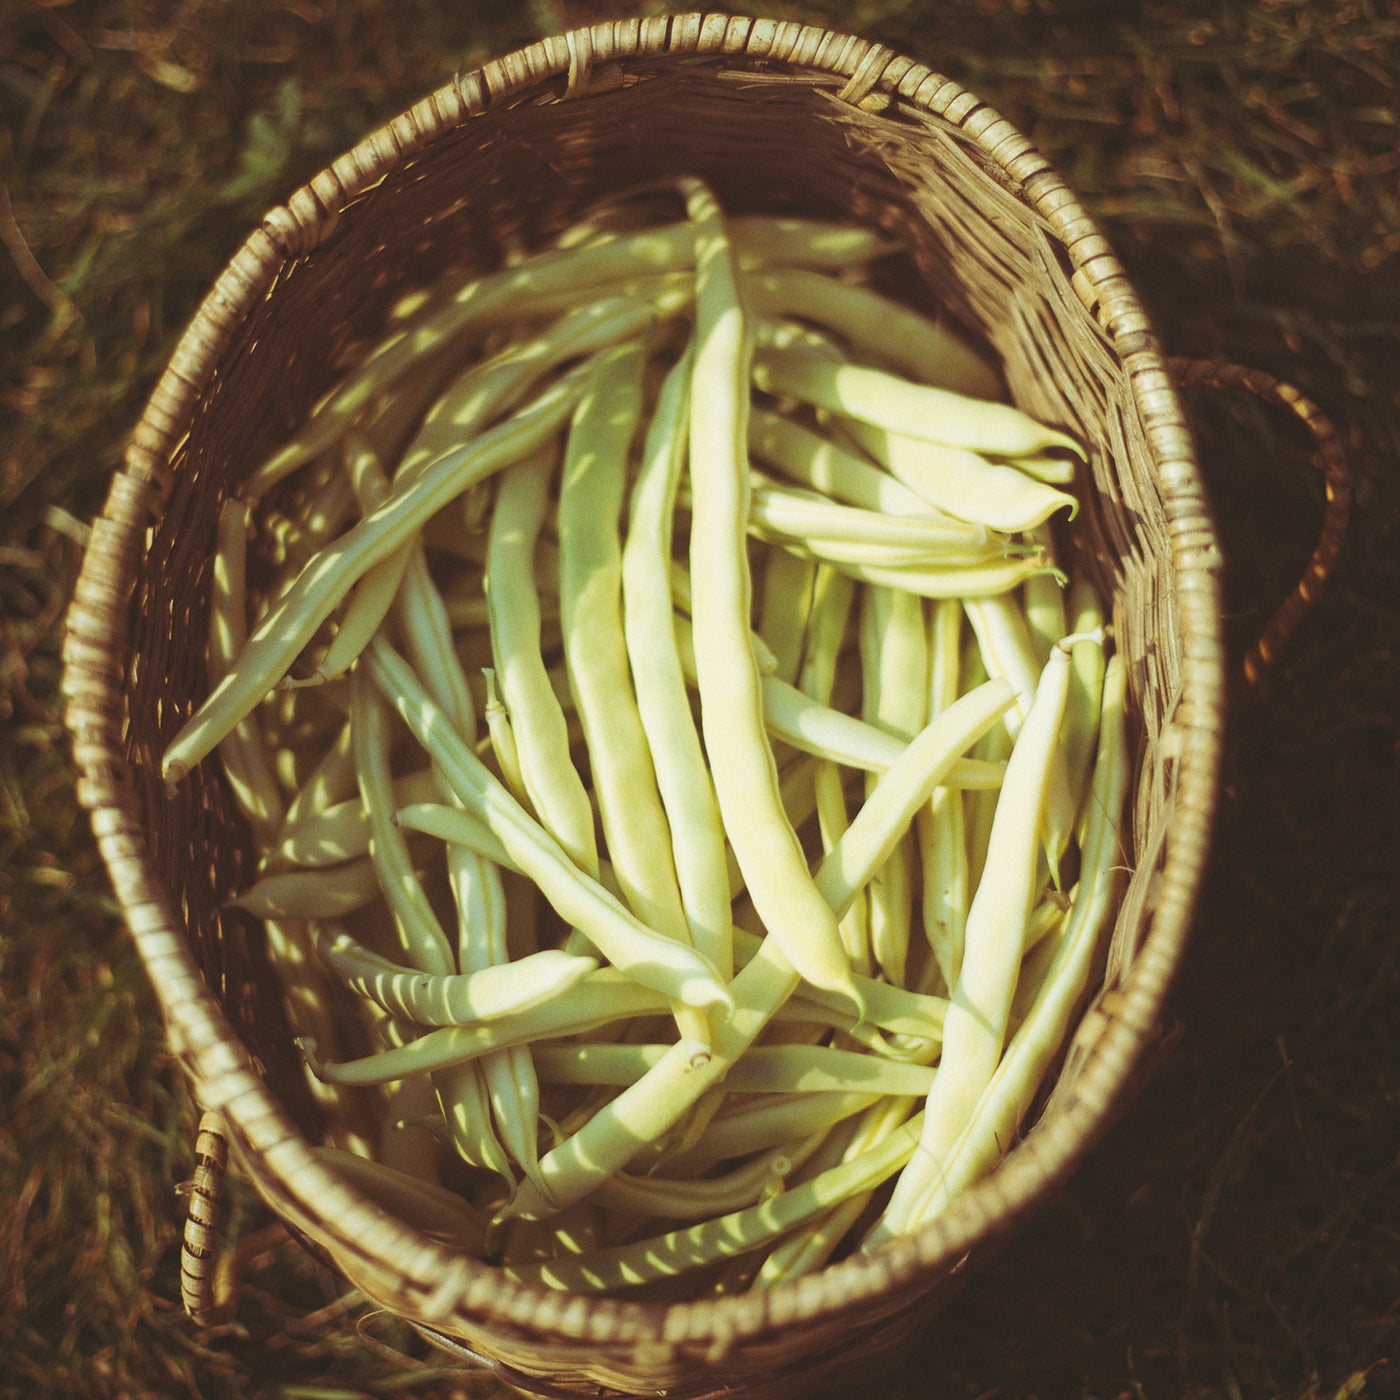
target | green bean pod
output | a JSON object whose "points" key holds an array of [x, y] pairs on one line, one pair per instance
{"points": [[591, 495], [877, 397], [646, 1261], [727, 675], [874, 326], [975, 1026], [451, 999], [682, 779], [671, 967], [1041, 1034], [318, 589], [599, 999]]}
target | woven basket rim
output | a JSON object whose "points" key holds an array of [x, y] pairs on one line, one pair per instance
{"points": [[95, 673]]}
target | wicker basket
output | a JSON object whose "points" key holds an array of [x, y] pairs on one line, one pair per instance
{"points": [[779, 117]]}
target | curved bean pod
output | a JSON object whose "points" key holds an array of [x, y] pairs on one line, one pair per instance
{"points": [[451, 999], [665, 1255], [687, 794], [673, 968], [591, 493], [541, 731], [1039, 1037], [874, 325], [598, 999], [963, 483], [799, 370], [731, 705], [975, 1026], [762, 1069], [420, 934]]}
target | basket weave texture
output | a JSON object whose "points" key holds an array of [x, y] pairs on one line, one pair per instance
{"points": [[778, 118]]}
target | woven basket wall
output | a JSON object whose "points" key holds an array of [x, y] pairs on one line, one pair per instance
{"points": [[779, 118]]}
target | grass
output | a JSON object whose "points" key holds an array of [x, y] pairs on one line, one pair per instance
{"points": [[1238, 1233]]}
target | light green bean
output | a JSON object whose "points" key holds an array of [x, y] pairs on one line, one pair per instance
{"points": [[648, 1260], [876, 327], [894, 689], [451, 999], [762, 1069], [420, 933], [727, 676], [318, 589], [591, 495], [795, 368], [541, 730], [678, 971], [975, 1026], [599, 999], [682, 779], [1037, 1040]]}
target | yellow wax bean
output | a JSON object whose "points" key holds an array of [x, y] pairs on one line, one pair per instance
{"points": [[466, 1108], [487, 390], [1037, 1040], [785, 601], [940, 827], [1086, 683], [808, 1249], [341, 832], [598, 999], [687, 794], [646, 1109], [326, 893], [244, 752], [420, 933], [428, 642], [818, 729], [975, 1026], [804, 517], [876, 327], [663, 963], [894, 654], [1044, 608], [906, 785], [731, 705], [451, 999], [374, 594], [1008, 649], [500, 297], [828, 467], [331, 781], [833, 594], [540, 728], [961, 482], [800, 370], [591, 494], [684, 1199], [832, 822], [503, 745], [759, 1124], [762, 1069], [647, 1260], [979, 580]]}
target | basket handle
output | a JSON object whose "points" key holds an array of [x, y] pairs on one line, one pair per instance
{"points": [[1329, 458], [199, 1245]]}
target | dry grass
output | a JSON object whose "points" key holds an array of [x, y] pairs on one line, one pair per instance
{"points": [[1238, 1235]]}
